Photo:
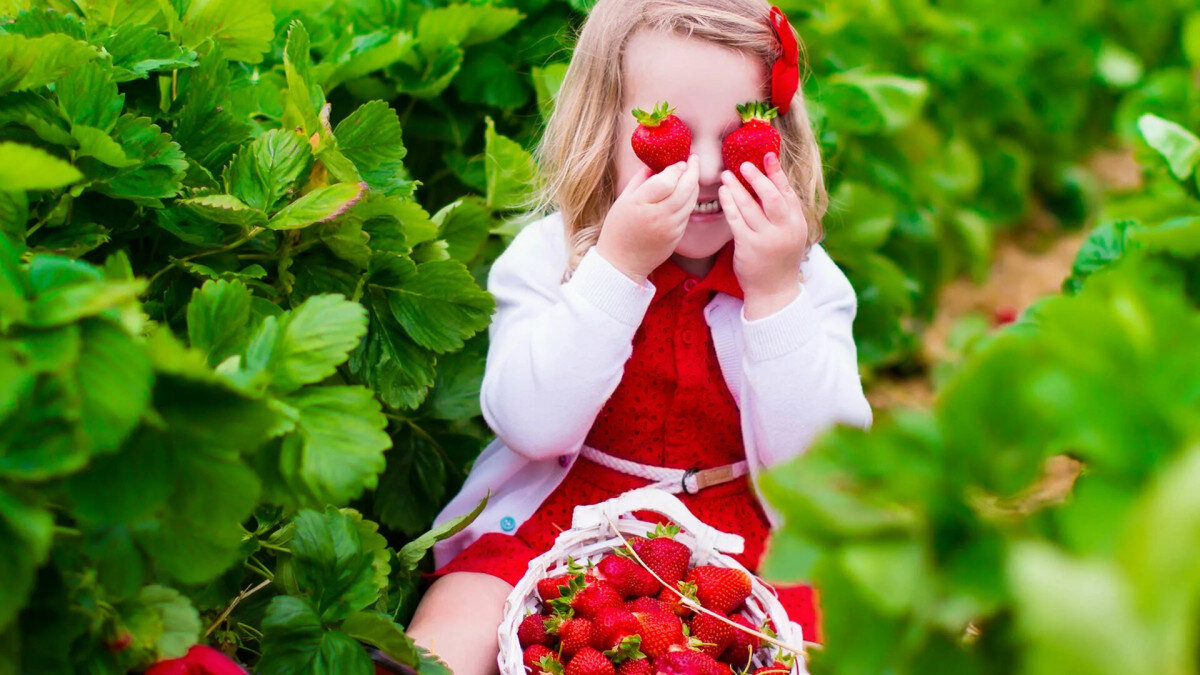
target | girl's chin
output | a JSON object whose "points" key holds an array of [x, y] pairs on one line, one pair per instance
{"points": [[704, 238]]}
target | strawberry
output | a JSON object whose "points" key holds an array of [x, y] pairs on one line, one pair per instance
{"points": [[588, 661], [716, 635], [721, 589], [744, 644], [647, 605], [751, 141], [686, 662], [626, 576], [550, 587], [675, 604], [777, 668], [1004, 315], [532, 631], [665, 556], [723, 669], [660, 139], [595, 597], [575, 635], [533, 659], [635, 667], [659, 631], [611, 626]]}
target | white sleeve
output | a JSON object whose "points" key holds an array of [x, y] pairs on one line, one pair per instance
{"points": [[800, 367], [557, 351]]}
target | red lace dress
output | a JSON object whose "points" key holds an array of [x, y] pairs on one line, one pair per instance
{"points": [[672, 408]]}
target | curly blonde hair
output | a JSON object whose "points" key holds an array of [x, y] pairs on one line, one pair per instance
{"points": [[576, 152]]}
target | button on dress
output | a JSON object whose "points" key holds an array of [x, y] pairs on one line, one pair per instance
{"points": [[673, 409]]}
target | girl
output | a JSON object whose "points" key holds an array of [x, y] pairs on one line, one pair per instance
{"points": [[654, 323]]}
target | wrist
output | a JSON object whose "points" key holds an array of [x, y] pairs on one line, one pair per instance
{"points": [[759, 304], [615, 261]]}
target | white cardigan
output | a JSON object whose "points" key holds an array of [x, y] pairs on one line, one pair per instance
{"points": [[558, 350]]}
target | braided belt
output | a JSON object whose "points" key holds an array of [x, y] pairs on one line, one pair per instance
{"points": [[688, 481]]}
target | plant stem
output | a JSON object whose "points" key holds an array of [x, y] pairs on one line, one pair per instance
{"points": [[229, 610], [254, 232]]}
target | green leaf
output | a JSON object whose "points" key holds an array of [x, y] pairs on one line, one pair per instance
{"points": [[24, 167], [269, 168], [546, 83], [320, 205], [1104, 246], [371, 138], [395, 367], [40, 21], [206, 128], [224, 209], [96, 143], [218, 319], [163, 620], [330, 565], [463, 25], [1191, 38], [337, 449], [70, 302], [874, 103], [138, 50], [428, 80], [294, 641], [464, 225], [437, 303], [489, 77], [366, 54], [414, 551], [26, 63], [314, 339], [242, 28], [380, 631], [26, 532], [459, 376], [161, 164], [1177, 145], [89, 96], [305, 97], [512, 174]]}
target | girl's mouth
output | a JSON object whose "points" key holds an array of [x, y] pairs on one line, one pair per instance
{"points": [[713, 206]]}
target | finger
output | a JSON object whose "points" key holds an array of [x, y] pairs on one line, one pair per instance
{"points": [[659, 187], [688, 187], [750, 210], [733, 215], [638, 179], [773, 205]]}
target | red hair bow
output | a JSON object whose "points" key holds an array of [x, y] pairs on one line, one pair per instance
{"points": [[785, 74]]}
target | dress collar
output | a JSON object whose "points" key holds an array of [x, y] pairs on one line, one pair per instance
{"points": [[720, 278]]}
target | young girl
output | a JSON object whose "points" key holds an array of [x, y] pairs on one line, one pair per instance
{"points": [[654, 323]]}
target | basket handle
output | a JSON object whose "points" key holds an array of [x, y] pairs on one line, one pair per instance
{"points": [[659, 501]]}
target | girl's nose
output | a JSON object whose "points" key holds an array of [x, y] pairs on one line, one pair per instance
{"points": [[711, 164]]}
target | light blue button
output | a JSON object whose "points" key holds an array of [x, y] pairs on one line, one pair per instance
{"points": [[508, 524]]}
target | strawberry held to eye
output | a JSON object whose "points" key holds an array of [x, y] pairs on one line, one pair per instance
{"points": [[661, 139], [751, 141]]}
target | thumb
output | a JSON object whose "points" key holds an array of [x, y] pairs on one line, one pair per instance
{"points": [[663, 184], [637, 180]]}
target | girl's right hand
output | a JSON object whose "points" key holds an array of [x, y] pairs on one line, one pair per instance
{"points": [[649, 217]]}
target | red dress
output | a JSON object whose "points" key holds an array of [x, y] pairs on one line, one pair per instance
{"points": [[672, 408]]}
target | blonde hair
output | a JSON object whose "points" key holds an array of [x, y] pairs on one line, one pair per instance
{"points": [[576, 152]]}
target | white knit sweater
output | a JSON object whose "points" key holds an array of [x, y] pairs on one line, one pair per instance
{"points": [[558, 350]]}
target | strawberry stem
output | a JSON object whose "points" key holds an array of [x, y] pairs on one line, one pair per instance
{"points": [[757, 110], [655, 117]]}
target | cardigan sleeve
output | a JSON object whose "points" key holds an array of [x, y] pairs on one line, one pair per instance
{"points": [[800, 366], [556, 351]]}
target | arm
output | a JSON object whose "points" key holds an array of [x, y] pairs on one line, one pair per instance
{"points": [[557, 351], [800, 367]]}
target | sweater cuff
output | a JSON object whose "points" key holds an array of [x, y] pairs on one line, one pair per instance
{"points": [[608, 289], [782, 332]]}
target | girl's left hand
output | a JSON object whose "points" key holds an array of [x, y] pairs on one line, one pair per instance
{"points": [[770, 241]]}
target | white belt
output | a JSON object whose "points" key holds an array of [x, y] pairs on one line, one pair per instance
{"points": [[689, 481]]}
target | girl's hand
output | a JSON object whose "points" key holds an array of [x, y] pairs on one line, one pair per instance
{"points": [[770, 241], [649, 217]]}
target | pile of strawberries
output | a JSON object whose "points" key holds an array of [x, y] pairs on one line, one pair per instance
{"points": [[615, 618]]}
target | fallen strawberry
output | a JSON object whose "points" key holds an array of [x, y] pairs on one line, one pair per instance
{"points": [[199, 660], [721, 589], [588, 661], [751, 141], [661, 139]]}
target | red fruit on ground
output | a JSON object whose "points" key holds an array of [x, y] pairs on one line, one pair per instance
{"points": [[721, 589], [575, 634], [666, 557], [611, 625], [626, 576], [686, 662], [751, 141], [594, 597], [533, 655], [635, 667], [744, 645], [659, 632], [714, 633], [532, 631], [588, 661], [660, 139]]}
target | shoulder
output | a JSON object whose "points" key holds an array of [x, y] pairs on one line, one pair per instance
{"points": [[536, 255], [824, 278]]}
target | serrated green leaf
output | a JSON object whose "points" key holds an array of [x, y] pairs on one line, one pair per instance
{"points": [[1177, 145], [439, 305], [162, 620], [330, 564], [428, 80], [96, 143], [71, 302], [140, 50], [242, 28], [34, 62], [314, 339], [546, 82], [161, 164], [464, 225], [489, 77], [380, 631], [225, 209], [295, 641], [512, 175], [320, 205], [874, 103], [125, 13], [206, 129], [26, 532], [268, 169], [24, 167], [366, 54], [463, 25], [218, 319], [396, 368], [371, 138], [305, 98], [41, 21], [337, 449], [89, 96]]}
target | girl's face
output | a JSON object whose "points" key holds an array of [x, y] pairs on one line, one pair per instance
{"points": [[704, 82]]}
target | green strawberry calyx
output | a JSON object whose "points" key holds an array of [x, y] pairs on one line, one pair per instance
{"points": [[628, 649], [757, 110], [656, 115], [660, 530]]}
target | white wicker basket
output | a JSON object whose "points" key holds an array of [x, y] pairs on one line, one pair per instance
{"points": [[591, 536]]}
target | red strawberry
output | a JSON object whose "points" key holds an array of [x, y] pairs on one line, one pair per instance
{"points": [[627, 577], [686, 662], [595, 597], [575, 635], [665, 556], [588, 661], [647, 605], [635, 667], [548, 588], [659, 631], [723, 669], [675, 604], [744, 644], [533, 659], [716, 635], [751, 141], [611, 626], [532, 631], [721, 589], [777, 668], [660, 139], [1004, 315]]}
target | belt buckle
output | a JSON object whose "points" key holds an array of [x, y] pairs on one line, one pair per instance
{"points": [[683, 482]]}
